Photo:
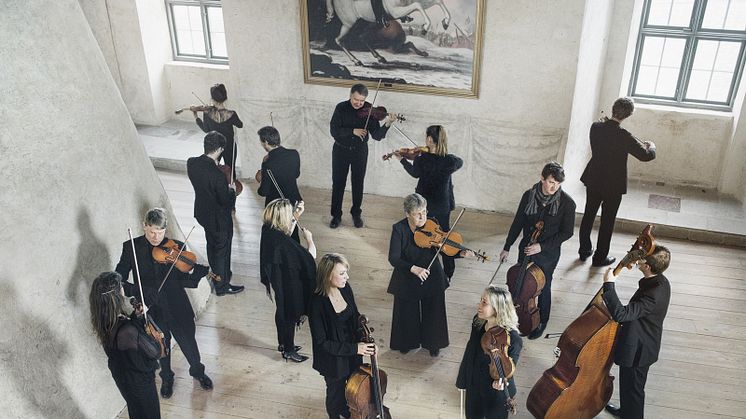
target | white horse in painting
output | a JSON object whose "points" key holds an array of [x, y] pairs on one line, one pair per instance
{"points": [[350, 11]]}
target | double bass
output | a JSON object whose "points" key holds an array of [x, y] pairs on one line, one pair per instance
{"points": [[525, 281], [366, 387], [579, 384]]}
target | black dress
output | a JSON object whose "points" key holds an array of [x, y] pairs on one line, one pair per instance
{"points": [[419, 316], [290, 271], [482, 400], [133, 359], [222, 121]]}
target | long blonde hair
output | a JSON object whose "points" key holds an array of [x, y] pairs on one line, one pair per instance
{"points": [[279, 215], [502, 303], [106, 304], [325, 269], [438, 134]]}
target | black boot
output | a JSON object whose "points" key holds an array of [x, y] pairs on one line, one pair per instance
{"points": [[294, 356], [536, 334]]}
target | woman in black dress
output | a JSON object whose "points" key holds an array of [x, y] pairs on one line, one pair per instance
{"points": [[133, 354], [337, 350], [434, 170], [289, 270], [485, 398], [222, 120]]}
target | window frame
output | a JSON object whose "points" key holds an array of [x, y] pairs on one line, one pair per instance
{"points": [[692, 34], [203, 5]]}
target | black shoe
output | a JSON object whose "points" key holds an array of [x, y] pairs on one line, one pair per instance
{"points": [[293, 356], [205, 382], [536, 334], [167, 388], [281, 348], [335, 222], [358, 221], [434, 352], [615, 411], [232, 289], [606, 262]]}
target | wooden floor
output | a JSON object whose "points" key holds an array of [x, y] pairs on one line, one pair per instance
{"points": [[701, 372]]}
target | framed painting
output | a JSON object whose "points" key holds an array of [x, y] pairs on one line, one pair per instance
{"points": [[420, 46]]}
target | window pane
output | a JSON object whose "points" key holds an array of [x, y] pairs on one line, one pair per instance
{"points": [[188, 27], [660, 65], [725, 14], [676, 13], [714, 65], [217, 32]]}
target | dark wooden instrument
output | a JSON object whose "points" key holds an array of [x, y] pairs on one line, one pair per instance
{"points": [[525, 281], [450, 242], [579, 384], [495, 343], [366, 387], [228, 172], [377, 113], [407, 153], [195, 108]]}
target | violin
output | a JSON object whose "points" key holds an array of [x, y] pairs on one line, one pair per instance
{"points": [[366, 387], [431, 235], [525, 281], [196, 108], [407, 153], [377, 113], [495, 343], [151, 328], [184, 260]]}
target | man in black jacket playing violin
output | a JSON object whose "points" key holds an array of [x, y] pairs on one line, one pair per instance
{"points": [[639, 336]]}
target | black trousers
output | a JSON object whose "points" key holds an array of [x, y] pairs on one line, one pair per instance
{"points": [[485, 404], [141, 397], [444, 220], [336, 404], [344, 161], [609, 207], [285, 331], [219, 243], [418, 323], [632, 391], [183, 330]]}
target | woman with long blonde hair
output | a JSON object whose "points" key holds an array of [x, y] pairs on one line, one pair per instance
{"points": [[485, 396]]}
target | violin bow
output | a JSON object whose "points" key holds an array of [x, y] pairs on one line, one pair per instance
{"points": [[495, 274], [370, 111], [445, 239], [277, 186], [403, 134], [200, 100], [271, 120], [139, 278], [171, 268]]}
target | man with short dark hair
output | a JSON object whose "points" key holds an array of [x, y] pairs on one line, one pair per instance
{"points": [[641, 328], [545, 201], [214, 200], [350, 153], [605, 178]]}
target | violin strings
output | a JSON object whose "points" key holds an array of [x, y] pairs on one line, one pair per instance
{"points": [[181, 249]]}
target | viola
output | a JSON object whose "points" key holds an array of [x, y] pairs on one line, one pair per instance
{"points": [[183, 260], [431, 235], [407, 153], [495, 344], [228, 172], [525, 281], [196, 108], [151, 328], [377, 113], [366, 387]]}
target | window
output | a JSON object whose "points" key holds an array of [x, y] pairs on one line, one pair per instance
{"points": [[690, 52], [197, 31]]}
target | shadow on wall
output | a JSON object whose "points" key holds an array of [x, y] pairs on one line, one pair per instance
{"points": [[32, 358], [93, 258]]}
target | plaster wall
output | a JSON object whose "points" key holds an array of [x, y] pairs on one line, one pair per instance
{"points": [[183, 78], [70, 188], [97, 15]]}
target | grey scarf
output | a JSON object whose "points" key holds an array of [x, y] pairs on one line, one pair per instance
{"points": [[537, 199]]}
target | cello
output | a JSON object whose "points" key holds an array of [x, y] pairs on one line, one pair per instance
{"points": [[579, 384], [525, 281], [366, 386]]}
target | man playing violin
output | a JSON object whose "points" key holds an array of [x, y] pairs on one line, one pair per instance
{"points": [[641, 327], [545, 201], [169, 307], [351, 132]]}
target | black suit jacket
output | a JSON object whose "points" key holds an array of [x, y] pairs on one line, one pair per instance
{"points": [[345, 119], [639, 338], [435, 184], [606, 172], [213, 200], [285, 166]]}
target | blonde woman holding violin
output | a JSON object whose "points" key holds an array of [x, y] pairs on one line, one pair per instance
{"points": [[488, 397], [433, 169]]}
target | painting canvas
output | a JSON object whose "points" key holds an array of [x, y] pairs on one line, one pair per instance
{"points": [[424, 46]]}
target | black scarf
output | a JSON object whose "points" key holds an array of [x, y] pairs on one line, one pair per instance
{"points": [[537, 199]]}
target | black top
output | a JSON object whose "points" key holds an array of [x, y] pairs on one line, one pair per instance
{"points": [[172, 302], [290, 271], [403, 254], [639, 338], [345, 119], [434, 174], [285, 166], [474, 371], [335, 335], [230, 119], [213, 200], [133, 354], [557, 229], [606, 172]]}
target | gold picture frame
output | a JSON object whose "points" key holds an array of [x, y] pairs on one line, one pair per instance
{"points": [[445, 60]]}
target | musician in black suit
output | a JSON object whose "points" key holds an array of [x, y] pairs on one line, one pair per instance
{"points": [[605, 178], [639, 337], [545, 201], [214, 200]]}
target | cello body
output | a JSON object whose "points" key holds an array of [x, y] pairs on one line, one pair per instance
{"points": [[525, 293], [360, 394]]}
